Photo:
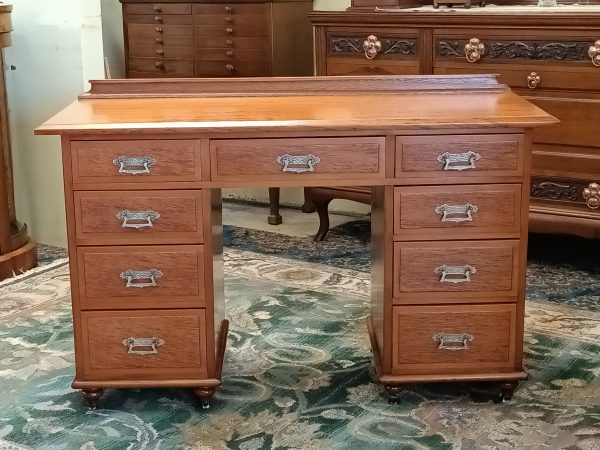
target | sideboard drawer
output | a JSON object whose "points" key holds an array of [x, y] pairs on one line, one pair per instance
{"points": [[231, 9], [291, 159], [138, 217], [459, 157], [454, 271], [135, 161], [145, 345], [142, 29], [159, 65], [457, 212], [453, 339], [141, 277]]}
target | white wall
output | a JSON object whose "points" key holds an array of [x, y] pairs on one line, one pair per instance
{"points": [[56, 47]]}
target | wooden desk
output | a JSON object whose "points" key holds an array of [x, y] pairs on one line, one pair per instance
{"points": [[144, 162]]}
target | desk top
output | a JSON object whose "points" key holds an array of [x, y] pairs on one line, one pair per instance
{"points": [[291, 104]]}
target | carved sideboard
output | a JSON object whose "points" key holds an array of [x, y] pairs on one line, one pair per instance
{"points": [[448, 158], [551, 56]]}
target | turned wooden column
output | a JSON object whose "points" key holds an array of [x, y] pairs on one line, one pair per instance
{"points": [[18, 252]]}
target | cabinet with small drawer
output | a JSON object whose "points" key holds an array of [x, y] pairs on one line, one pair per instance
{"points": [[217, 39], [552, 58]]}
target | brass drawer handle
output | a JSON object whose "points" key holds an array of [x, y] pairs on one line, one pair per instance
{"points": [[594, 53], [137, 164], [455, 274], [137, 219], [298, 163], [591, 195], [454, 161], [136, 278], [371, 46], [474, 50], [151, 344], [452, 341], [533, 79], [457, 213]]}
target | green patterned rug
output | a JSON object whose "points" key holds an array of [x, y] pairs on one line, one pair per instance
{"points": [[298, 369]]}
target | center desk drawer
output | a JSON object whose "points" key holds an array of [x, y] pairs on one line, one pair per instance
{"points": [[453, 339], [137, 277], [289, 159], [136, 161], [144, 345], [456, 271], [138, 217], [457, 212], [459, 157]]}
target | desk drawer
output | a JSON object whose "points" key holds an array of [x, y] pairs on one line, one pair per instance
{"points": [[226, 31], [149, 344], [457, 212], [459, 157], [232, 68], [138, 217], [157, 30], [141, 277], [283, 159], [454, 271], [231, 9], [160, 65], [453, 339], [135, 161]]}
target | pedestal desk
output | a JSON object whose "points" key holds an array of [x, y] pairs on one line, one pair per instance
{"points": [[144, 161]]}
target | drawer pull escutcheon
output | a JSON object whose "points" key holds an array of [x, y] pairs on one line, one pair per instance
{"points": [[133, 277], [452, 161], [143, 162], [146, 218], [290, 163], [533, 79], [591, 195], [594, 53], [152, 343], [455, 274], [457, 213], [474, 50], [453, 342], [371, 46]]}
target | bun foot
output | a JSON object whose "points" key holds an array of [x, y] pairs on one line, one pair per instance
{"points": [[507, 389], [204, 394], [393, 392], [92, 396]]}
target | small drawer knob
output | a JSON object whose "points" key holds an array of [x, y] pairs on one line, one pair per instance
{"points": [[230, 67], [157, 8], [533, 80], [159, 65], [228, 9], [229, 42], [474, 50], [158, 19], [229, 53], [228, 30], [594, 53], [158, 29], [159, 40], [160, 51], [229, 19]]}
